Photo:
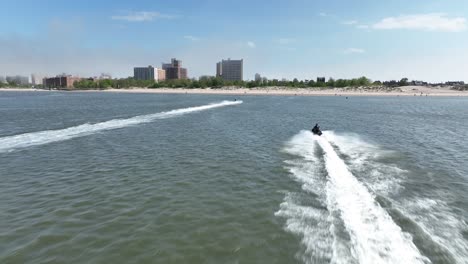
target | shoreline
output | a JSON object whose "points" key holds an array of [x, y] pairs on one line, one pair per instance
{"points": [[406, 91]]}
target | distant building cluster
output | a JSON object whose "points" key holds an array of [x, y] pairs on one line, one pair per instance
{"points": [[230, 70], [168, 71], [18, 79]]}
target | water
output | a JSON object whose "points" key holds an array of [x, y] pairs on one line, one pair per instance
{"points": [[138, 178]]}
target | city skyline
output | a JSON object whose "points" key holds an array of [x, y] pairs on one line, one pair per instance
{"points": [[420, 40]]}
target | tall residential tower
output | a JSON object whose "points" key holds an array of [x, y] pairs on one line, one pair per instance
{"points": [[174, 70], [230, 70]]}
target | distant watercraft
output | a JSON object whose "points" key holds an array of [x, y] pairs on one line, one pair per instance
{"points": [[316, 130]]}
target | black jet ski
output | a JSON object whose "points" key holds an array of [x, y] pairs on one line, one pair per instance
{"points": [[316, 130]]}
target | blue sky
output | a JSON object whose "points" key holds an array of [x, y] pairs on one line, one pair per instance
{"points": [[418, 39]]}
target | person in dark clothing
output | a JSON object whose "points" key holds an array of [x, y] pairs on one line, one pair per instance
{"points": [[316, 130]]}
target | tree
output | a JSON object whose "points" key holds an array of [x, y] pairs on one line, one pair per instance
{"points": [[403, 82], [341, 83], [106, 83], [311, 83], [217, 82], [363, 81], [331, 82]]}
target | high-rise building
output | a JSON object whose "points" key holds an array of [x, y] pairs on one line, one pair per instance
{"points": [[20, 80], [161, 75], [36, 79], [321, 79], [174, 70], [145, 73], [230, 70]]}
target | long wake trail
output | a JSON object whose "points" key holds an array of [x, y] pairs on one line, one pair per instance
{"points": [[11, 143], [375, 237]]}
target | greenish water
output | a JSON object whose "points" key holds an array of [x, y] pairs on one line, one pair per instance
{"points": [[123, 178]]}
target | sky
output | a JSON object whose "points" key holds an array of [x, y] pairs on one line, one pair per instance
{"points": [[382, 40]]}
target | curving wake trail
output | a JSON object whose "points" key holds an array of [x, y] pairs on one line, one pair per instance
{"points": [[374, 236], [11, 143]]}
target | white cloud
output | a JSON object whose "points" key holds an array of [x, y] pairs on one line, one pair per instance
{"points": [[427, 22], [251, 44], [353, 50], [323, 14], [142, 16], [362, 26], [192, 38], [350, 22], [286, 41]]}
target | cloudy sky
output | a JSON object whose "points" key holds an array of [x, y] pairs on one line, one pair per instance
{"points": [[418, 39]]}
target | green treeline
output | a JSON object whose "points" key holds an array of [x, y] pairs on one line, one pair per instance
{"points": [[112, 83], [13, 85], [214, 82]]}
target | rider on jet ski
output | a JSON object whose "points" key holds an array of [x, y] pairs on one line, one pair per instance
{"points": [[316, 130]]}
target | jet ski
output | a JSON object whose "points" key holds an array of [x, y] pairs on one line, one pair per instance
{"points": [[316, 130]]}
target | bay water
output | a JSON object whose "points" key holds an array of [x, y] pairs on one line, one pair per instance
{"points": [[89, 177]]}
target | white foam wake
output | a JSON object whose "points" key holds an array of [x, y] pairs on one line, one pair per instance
{"points": [[432, 214], [11, 143], [374, 236], [315, 223]]}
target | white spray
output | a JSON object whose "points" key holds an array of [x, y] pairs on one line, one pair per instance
{"points": [[11, 143]]}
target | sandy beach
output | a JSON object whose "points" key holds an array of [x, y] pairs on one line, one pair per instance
{"points": [[359, 91]]}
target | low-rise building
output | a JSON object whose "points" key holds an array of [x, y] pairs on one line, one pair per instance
{"points": [[258, 77], [60, 82], [321, 79], [206, 77], [418, 83], [105, 76], [455, 83]]}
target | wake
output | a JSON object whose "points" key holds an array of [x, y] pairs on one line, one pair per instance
{"points": [[15, 142], [373, 235]]}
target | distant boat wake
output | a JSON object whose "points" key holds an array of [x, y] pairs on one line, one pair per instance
{"points": [[352, 227], [11, 143]]}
